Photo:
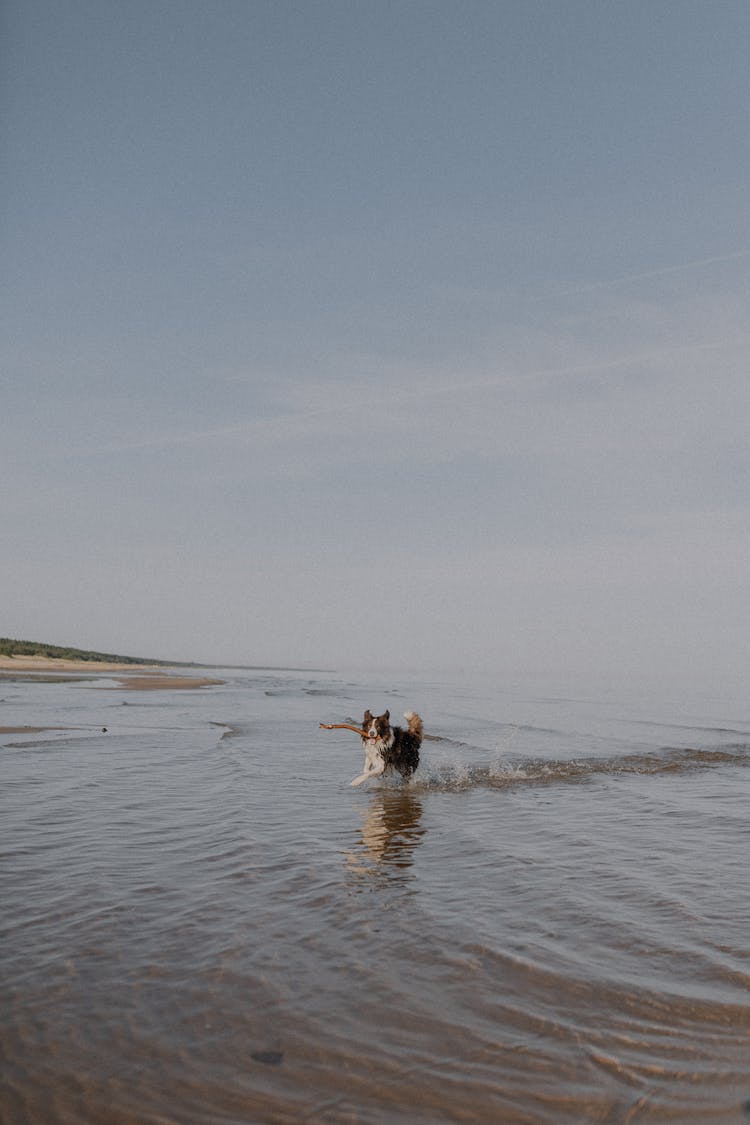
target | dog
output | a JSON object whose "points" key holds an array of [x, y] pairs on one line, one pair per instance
{"points": [[388, 748]]}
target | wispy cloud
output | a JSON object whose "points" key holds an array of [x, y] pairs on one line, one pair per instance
{"points": [[647, 275], [603, 395]]}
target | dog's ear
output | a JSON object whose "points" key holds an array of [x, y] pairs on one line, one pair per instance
{"points": [[387, 716], [367, 719]]}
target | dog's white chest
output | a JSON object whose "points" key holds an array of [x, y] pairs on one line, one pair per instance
{"points": [[374, 754], [374, 758]]}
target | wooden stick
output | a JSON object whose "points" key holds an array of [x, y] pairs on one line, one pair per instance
{"points": [[341, 726]]}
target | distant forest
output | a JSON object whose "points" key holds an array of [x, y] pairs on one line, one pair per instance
{"points": [[9, 647]]}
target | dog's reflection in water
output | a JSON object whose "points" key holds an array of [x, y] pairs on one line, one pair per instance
{"points": [[390, 832]]}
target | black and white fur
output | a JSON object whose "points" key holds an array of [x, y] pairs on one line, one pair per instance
{"points": [[387, 747]]}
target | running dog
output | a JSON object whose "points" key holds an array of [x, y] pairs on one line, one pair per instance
{"points": [[389, 748]]}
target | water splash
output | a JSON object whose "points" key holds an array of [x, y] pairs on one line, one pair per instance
{"points": [[455, 773]]}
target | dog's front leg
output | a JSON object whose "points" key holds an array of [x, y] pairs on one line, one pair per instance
{"points": [[377, 769], [372, 769]]}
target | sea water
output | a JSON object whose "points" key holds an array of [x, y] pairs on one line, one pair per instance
{"points": [[203, 922]]}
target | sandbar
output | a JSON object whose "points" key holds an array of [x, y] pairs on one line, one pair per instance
{"points": [[159, 681]]}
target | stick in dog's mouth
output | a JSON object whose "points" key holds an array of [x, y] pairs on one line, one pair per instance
{"points": [[342, 726]]}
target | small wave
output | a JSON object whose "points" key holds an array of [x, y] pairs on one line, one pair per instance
{"points": [[228, 730], [501, 774], [738, 730]]}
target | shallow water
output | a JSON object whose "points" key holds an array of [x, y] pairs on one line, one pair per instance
{"points": [[203, 922]]}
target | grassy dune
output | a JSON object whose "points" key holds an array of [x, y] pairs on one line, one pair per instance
{"points": [[10, 647]]}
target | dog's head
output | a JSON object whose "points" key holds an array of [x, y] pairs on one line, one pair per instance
{"points": [[377, 728]]}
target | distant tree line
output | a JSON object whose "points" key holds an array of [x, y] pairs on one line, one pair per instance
{"points": [[10, 647]]}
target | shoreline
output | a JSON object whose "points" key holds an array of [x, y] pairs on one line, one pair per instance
{"points": [[62, 664], [130, 677]]}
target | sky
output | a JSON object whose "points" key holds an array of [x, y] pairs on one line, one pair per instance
{"points": [[377, 335]]}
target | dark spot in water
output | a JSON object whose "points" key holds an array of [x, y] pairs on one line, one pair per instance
{"points": [[269, 1058]]}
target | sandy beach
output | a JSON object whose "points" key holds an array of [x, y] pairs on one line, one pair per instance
{"points": [[130, 677], [55, 664]]}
